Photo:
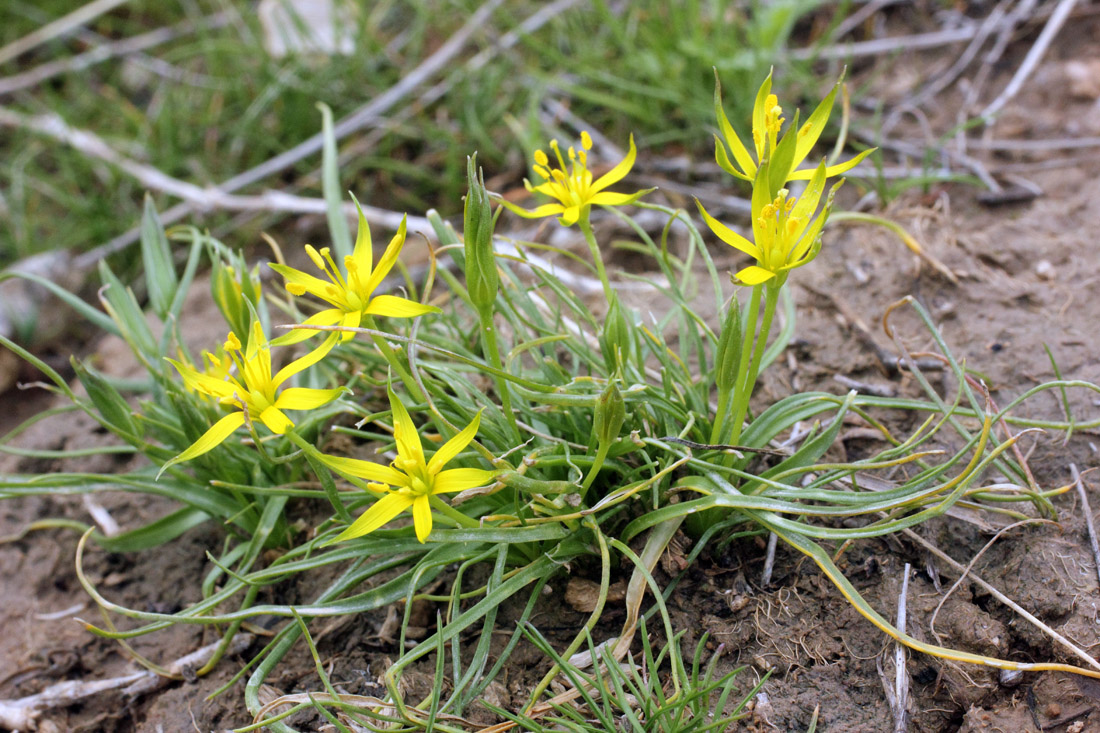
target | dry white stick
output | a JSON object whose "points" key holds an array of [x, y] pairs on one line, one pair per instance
{"points": [[1050, 30], [364, 116], [99, 54], [1089, 523], [1030, 618], [901, 674], [769, 560], [59, 27], [22, 714]]}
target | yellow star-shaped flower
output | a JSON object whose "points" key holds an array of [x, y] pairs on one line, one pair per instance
{"points": [[572, 184], [350, 293], [413, 479], [254, 392]]}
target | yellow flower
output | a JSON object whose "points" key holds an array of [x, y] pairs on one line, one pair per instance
{"points": [[350, 293], [254, 392], [786, 154], [413, 479], [786, 233], [572, 184]]}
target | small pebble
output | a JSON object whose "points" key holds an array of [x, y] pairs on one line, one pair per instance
{"points": [[1044, 270]]}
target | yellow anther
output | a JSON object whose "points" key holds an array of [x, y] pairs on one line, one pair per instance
{"points": [[296, 288], [541, 159], [315, 256], [586, 140], [572, 153], [232, 343], [558, 175], [349, 263], [542, 171]]}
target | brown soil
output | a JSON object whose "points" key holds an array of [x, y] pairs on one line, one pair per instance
{"points": [[1027, 273]]}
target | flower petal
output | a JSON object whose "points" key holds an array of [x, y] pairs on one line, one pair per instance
{"points": [[307, 284], [754, 275], [218, 432], [405, 433], [619, 172], [570, 215], [362, 254], [729, 236], [381, 512], [386, 263], [304, 362], [833, 170], [303, 398], [454, 446], [276, 420], [607, 198], [460, 479], [351, 319], [364, 469], [422, 517], [204, 382], [394, 307], [537, 213], [328, 317]]}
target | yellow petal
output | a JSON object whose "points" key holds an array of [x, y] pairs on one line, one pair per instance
{"points": [[404, 431], [364, 469], [833, 170], [454, 446], [422, 517], [275, 420], [304, 362], [607, 198], [389, 257], [382, 511], [619, 172], [362, 254], [460, 479], [536, 213], [205, 383], [729, 236], [218, 432], [570, 216], [307, 283], [303, 398], [394, 307], [754, 275], [328, 317]]}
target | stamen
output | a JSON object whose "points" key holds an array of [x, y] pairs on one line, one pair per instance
{"points": [[296, 288], [572, 153], [315, 257], [336, 277], [557, 152], [542, 171], [232, 343], [541, 159], [586, 140]]}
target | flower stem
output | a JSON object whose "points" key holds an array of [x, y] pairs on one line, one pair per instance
{"points": [[597, 464], [594, 248], [390, 356], [741, 391], [449, 511], [752, 366], [492, 353]]}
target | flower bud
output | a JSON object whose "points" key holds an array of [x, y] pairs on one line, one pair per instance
{"points": [[233, 288], [610, 414], [727, 358], [482, 281], [615, 336]]}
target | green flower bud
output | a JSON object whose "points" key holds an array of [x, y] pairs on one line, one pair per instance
{"points": [[615, 337], [482, 281], [233, 287], [727, 359], [107, 400], [610, 414]]}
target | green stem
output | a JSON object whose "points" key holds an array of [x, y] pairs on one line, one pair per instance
{"points": [[771, 299], [594, 248], [740, 393], [395, 363], [586, 630], [492, 353], [720, 415], [449, 511], [597, 464], [331, 492]]}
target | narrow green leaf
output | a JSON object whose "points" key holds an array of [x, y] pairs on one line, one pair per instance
{"points": [[330, 183], [160, 272]]}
